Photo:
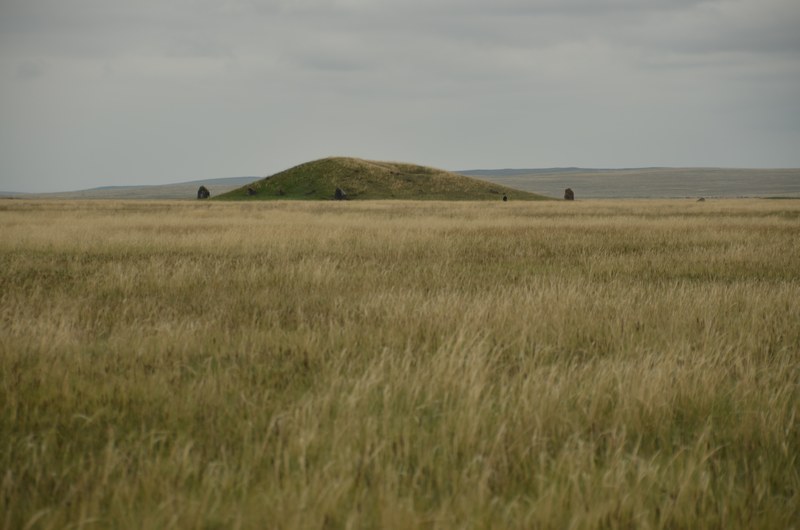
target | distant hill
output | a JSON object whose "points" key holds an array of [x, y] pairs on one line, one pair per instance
{"points": [[368, 179], [653, 182], [650, 182], [180, 190], [508, 172]]}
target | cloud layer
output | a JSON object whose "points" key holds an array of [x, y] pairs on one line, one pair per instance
{"points": [[97, 92]]}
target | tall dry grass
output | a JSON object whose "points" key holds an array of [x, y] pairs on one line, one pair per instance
{"points": [[400, 365]]}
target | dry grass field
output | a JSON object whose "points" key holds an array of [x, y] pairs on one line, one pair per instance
{"points": [[595, 364]]}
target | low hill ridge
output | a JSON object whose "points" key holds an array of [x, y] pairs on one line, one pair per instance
{"points": [[370, 180]]}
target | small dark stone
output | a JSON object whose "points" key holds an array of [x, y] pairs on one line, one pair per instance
{"points": [[339, 195], [203, 193], [701, 199], [251, 190], [569, 195], [505, 198]]}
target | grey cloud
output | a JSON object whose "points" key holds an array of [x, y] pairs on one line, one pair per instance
{"points": [[220, 87], [30, 69], [327, 62], [195, 28], [725, 27]]}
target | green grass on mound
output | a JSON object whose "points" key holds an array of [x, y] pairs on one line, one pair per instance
{"points": [[365, 179]]}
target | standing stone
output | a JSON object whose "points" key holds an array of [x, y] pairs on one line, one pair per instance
{"points": [[569, 195], [203, 193], [251, 190], [505, 198], [339, 195]]}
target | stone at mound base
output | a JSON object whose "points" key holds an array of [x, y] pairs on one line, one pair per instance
{"points": [[340, 195], [203, 193], [569, 195]]}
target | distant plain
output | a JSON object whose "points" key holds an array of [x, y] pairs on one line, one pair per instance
{"points": [[652, 183]]}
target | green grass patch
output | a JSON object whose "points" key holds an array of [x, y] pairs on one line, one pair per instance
{"points": [[370, 180]]}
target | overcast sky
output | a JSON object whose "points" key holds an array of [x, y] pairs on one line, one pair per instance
{"points": [[113, 92]]}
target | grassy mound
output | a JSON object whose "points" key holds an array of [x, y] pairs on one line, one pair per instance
{"points": [[365, 179]]}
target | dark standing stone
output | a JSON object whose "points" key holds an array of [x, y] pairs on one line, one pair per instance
{"points": [[251, 190], [701, 199], [203, 193], [339, 195], [569, 195], [505, 198]]}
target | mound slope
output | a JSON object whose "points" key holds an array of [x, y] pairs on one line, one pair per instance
{"points": [[367, 179]]}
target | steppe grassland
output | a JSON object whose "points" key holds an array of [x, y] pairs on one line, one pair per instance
{"points": [[400, 364]]}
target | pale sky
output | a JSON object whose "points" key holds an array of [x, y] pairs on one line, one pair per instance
{"points": [[115, 92]]}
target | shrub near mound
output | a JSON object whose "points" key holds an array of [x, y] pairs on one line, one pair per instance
{"points": [[365, 179]]}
